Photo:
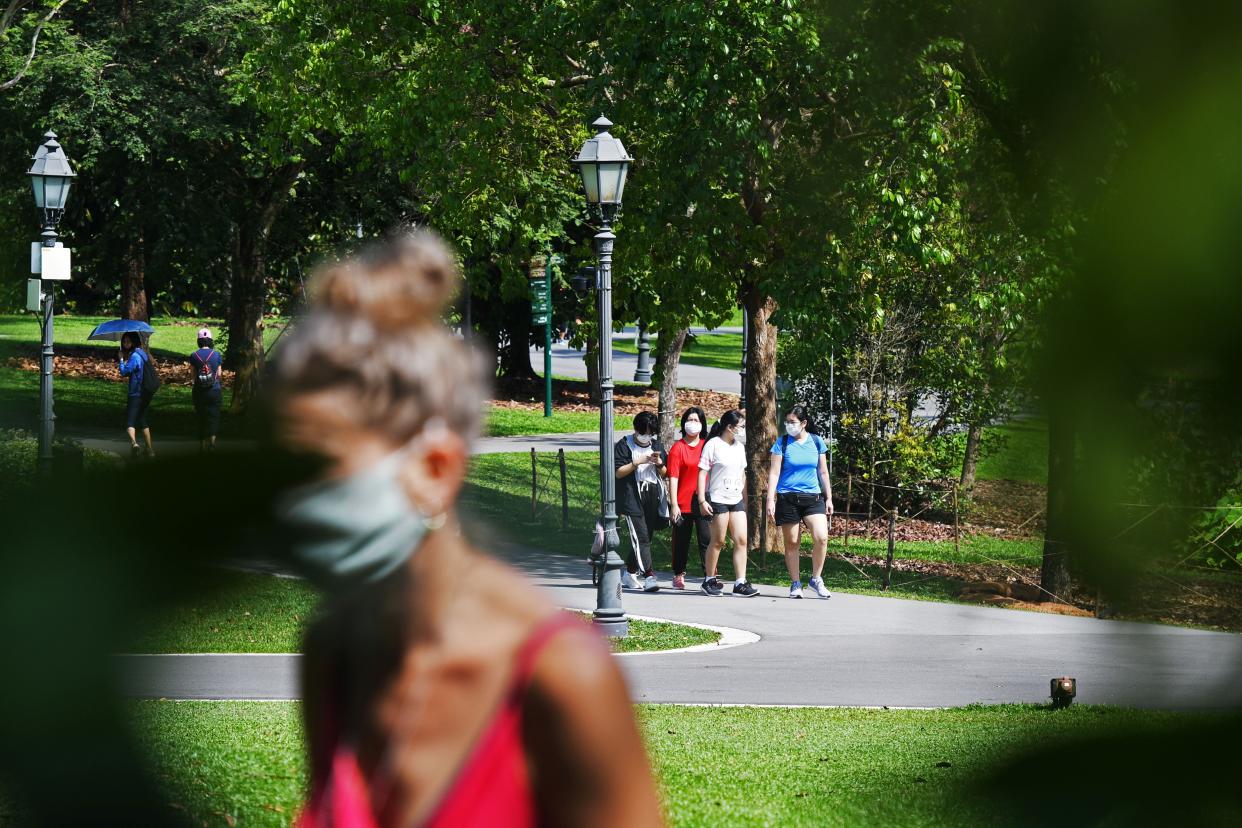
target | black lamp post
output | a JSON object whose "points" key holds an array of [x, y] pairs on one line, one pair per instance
{"points": [[604, 163], [50, 178]]}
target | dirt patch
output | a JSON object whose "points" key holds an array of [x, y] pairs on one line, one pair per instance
{"points": [[1015, 507]]}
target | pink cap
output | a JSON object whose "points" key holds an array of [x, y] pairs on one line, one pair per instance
{"points": [[204, 333]]}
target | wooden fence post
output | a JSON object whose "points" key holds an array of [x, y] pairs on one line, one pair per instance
{"points": [[888, 564], [564, 491], [849, 499], [534, 480], [957, 532]]}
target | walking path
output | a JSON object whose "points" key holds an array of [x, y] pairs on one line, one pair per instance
{"points": [[567, 362], [853, 650]]}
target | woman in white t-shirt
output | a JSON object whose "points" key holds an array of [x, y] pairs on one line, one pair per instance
{"points": [[722, 497]]}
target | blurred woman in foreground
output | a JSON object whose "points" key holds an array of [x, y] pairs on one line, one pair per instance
{"points": [[440, 688]]}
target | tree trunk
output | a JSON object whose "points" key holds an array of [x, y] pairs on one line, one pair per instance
{"points": [[971, 460], [515, 356], [592, 372], [669, 360], [760, 411], [248, 297], [1054, 576], [133, 284], [247, 300]]}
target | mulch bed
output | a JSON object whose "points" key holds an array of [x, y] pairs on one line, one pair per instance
{"points": [[85, 361]]}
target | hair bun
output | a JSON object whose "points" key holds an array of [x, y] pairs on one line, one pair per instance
{"points": [[408, 280]]}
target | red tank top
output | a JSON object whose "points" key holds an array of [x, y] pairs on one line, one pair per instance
{"points": [[492, 787]]}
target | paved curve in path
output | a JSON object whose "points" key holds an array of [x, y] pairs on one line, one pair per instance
{"points": [[851, 650]]}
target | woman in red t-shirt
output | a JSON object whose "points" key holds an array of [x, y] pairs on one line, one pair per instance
{"points": [[683, 472]]}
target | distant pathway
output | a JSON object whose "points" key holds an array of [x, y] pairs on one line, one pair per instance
{"points": [[852, 650]]}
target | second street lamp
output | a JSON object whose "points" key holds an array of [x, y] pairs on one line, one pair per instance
{"points": [[604, 164]]}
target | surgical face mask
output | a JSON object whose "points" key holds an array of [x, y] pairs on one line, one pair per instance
{"points": [[353, 531], [740, 432], [692, 428], [642, 439], [793, 429]]}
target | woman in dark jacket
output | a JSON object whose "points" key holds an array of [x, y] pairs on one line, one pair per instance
{"points": [[639, 461]]}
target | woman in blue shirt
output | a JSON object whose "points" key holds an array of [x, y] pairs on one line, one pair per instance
{"points": [[134, 362], [799, 493]]}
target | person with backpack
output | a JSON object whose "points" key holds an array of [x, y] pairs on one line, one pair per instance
{"points": [[799, 493], [639, 463], [205, 365], [722, 498], [144, 381]]}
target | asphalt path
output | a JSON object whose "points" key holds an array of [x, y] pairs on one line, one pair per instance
{"points": [[852, 650]]}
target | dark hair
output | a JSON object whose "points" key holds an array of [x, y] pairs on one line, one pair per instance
{"points": [[205, 342], [730, 418], [694, 409], [804, 416], [645, 423], [132, 337]]}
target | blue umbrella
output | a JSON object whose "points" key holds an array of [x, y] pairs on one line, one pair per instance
{"points": [[113, 328]]}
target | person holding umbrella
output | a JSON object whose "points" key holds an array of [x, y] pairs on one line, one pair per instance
{"points": [[136, 364]]}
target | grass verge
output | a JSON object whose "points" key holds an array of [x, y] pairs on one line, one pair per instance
{"points": [[709, 350], [498, 495], [242, 762]]}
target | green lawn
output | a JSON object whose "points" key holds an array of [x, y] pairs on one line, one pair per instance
{"points": [[250, 613], [511, 422], [242, 762], [712, 350], [1022, 456], [173, 336]]}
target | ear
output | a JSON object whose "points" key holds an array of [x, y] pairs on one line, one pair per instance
{"points": [[435, 471]]}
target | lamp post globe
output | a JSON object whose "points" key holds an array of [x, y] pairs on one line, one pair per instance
{"points": [[50, 180], [604, 164]]}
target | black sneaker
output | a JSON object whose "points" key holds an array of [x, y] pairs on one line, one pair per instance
{"points": [[745, 590], [712, 587]]}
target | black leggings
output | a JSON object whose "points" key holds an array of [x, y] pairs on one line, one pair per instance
{"points": [[692, 522], [639, 557]]}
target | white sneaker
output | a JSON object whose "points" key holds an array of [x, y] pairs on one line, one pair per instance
{"points": [[650, 584], [817, 584], [795, 589], [629, 581]]}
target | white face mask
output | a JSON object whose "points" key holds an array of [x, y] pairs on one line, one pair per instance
{"points": [[740, 433], [692, 428], [793, 429], [642, 439]]}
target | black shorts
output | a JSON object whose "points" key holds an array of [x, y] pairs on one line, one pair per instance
{"points": [[136, 411], [721, 508], [792, 507]]}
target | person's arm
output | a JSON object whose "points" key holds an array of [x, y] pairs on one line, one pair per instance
{"points": [[675, 466], [824, 485], [701, 493], [774, 476], [586, 769], [129, 365], [623, 460]]}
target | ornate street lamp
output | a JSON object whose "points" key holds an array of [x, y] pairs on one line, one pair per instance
{"points": [[50, 179], [604, 163]]}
